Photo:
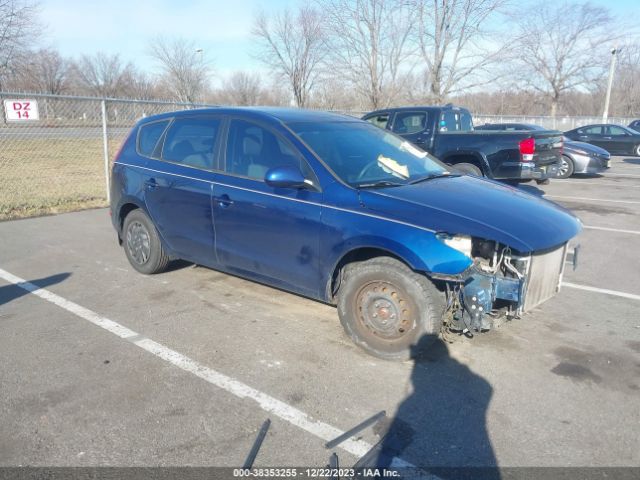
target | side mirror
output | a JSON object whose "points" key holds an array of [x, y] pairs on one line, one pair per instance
{"points": [[286, 177]]}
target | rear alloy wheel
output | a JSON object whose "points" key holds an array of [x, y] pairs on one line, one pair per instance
{"points": [[142, 244], [566, 167], [387, 309], [468, 168], [638, 151]]}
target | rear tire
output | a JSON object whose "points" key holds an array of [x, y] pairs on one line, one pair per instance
{"points": [[142, 244], [566, 167], [469, 169], [637, 150], [387, 309]]}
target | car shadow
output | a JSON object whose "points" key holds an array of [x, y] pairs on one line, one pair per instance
{"points": [[175, 265], [14, 291], [586, 176], [441, 427], [532, 189], [635, 161]]}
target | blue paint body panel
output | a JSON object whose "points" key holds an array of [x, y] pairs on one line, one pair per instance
{"points": [[294, 238]]}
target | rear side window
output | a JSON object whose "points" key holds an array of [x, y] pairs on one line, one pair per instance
{"points": [[191, 141], [380, 120], [591, 130], [149, 135], [409, 122]]}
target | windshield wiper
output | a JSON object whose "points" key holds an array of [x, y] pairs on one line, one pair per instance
{"points": [[380, 184], [432, 176]]}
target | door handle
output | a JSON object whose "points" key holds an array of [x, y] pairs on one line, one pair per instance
{"points": [[223, 201], [150, 183]]}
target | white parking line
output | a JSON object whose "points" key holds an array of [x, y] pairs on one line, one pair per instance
{"points": [[608, 229], [268, 403], [615, 293], [593, 199]]}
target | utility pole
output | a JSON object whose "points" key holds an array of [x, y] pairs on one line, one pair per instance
{"points": [[200, 52], [612, 67]]}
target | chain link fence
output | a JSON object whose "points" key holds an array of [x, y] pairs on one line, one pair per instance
{"points": [[562, 123], [60, 161]]}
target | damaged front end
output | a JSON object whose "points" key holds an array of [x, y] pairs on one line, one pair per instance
{"points": [[500, 283]]}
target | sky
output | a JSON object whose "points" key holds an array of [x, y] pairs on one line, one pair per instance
{"points": [[220, 27]]}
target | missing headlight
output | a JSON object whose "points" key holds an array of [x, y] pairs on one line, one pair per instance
{"points": [[461, 243]]}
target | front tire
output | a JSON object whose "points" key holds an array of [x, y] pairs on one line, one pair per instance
{"points": [[637, 151], [387, 309], [142, 245], [566, 167]]}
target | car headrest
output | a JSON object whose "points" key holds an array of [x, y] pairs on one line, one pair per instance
{"points": [[251, 145]]}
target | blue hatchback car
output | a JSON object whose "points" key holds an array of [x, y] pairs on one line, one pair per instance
{"points": [[336, 209]]}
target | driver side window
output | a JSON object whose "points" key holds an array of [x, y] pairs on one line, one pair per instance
{"points": [[616, 131]]}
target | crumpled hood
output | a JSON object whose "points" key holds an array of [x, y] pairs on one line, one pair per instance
{"points": [[477, 207]]}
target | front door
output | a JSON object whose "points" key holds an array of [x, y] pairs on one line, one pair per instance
{"points": [[179, 185], [266, 233], [617, 140]]}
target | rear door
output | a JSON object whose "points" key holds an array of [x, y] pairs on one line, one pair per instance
{"points": [[269, 234], [179, 185], [593, 135]]}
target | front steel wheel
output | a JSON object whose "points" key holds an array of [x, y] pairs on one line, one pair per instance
{"points": [[384, 309], [387, 309]]}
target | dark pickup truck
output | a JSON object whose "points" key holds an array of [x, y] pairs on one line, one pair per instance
{"points": [[447, 133]]}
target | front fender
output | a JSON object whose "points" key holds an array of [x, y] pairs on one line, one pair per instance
{"points": [[417, 247]]}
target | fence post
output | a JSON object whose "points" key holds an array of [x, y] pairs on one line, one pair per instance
{"points": [[105, 148]]}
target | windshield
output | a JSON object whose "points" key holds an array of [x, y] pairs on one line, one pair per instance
{"points": [[361, 153]]}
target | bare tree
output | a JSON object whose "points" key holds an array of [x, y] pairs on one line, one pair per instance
{"points": [[369, 42], [44, 71], [292, 44], [242, 88], [452, 36], [102, 75], [19, 27], [184, 67], [562, 46]]}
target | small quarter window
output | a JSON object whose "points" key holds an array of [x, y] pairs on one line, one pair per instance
{"points": [[149, 135]]}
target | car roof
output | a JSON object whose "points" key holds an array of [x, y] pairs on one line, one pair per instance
{"points": [[417, 108], [270, 114], [531, 126]]}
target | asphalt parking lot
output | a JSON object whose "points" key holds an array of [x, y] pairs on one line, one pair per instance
{"points": [[208, 357]]}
